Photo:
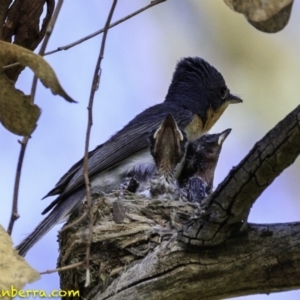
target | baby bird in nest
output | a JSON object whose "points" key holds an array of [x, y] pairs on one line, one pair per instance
{"points": [[184, 171], [197, 176]]}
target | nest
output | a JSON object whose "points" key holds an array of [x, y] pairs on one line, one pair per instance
{"points": [[125, 230]]}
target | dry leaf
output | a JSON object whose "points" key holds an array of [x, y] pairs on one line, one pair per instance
{"points": [[22, 24], [10, 53], [265, 15], [14, 269], [276, 23], [17, 113]]}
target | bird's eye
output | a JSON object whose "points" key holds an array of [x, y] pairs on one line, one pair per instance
{"points": [[224, 92]]}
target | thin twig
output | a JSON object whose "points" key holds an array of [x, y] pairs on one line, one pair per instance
{"points": [[10, 66], [14, 214], [66, 47], [24, 142], [94, 88], [72, 266]]}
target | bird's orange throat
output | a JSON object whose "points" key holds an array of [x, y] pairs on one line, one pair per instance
{"points": [[197, 127], [212, 116]]}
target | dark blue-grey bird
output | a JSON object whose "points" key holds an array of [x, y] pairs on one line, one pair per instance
{"points": [[196, 98]]}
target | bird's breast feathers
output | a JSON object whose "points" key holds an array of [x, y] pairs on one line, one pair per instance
{"points": [[140, 164]]}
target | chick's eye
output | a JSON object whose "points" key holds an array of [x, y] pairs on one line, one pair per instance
{"points": [[224, 92]]}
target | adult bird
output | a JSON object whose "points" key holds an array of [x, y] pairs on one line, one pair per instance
{"points": [[196, 98]]}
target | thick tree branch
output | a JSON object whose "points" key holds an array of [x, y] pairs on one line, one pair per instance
{"points": [[142, 259], [266, 259], [228, 207]]}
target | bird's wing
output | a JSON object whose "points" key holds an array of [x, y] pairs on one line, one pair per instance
{"points": [[132, 139]]}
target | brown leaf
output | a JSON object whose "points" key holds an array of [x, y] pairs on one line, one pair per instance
{"points": [[10, 53], [276, 23], [17, 113], [22, 25], [265, 15], [14, 269]]}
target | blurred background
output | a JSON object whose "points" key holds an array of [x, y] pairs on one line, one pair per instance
{"points": [[139, 60]]}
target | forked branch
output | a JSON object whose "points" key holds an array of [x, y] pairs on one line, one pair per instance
{"points": [[229, 206]]}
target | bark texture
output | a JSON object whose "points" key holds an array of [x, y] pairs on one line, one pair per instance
{"points": [[142, 258]]}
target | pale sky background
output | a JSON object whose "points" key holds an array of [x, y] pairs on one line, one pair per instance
{"points": [[139, 60]]}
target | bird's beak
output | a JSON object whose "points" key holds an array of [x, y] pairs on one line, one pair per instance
{"points": [[223, 135], [234, 99]]}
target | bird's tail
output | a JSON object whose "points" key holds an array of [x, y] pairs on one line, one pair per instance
{"points": [[58, 214], [52, 219]]}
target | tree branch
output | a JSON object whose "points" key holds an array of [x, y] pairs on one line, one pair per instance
{"points": [[141, 257], [228, 207], [265, 260], [67, 47]]}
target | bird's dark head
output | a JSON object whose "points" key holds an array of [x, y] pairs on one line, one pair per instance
{"points": [[199, 87], [207, 148]]}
